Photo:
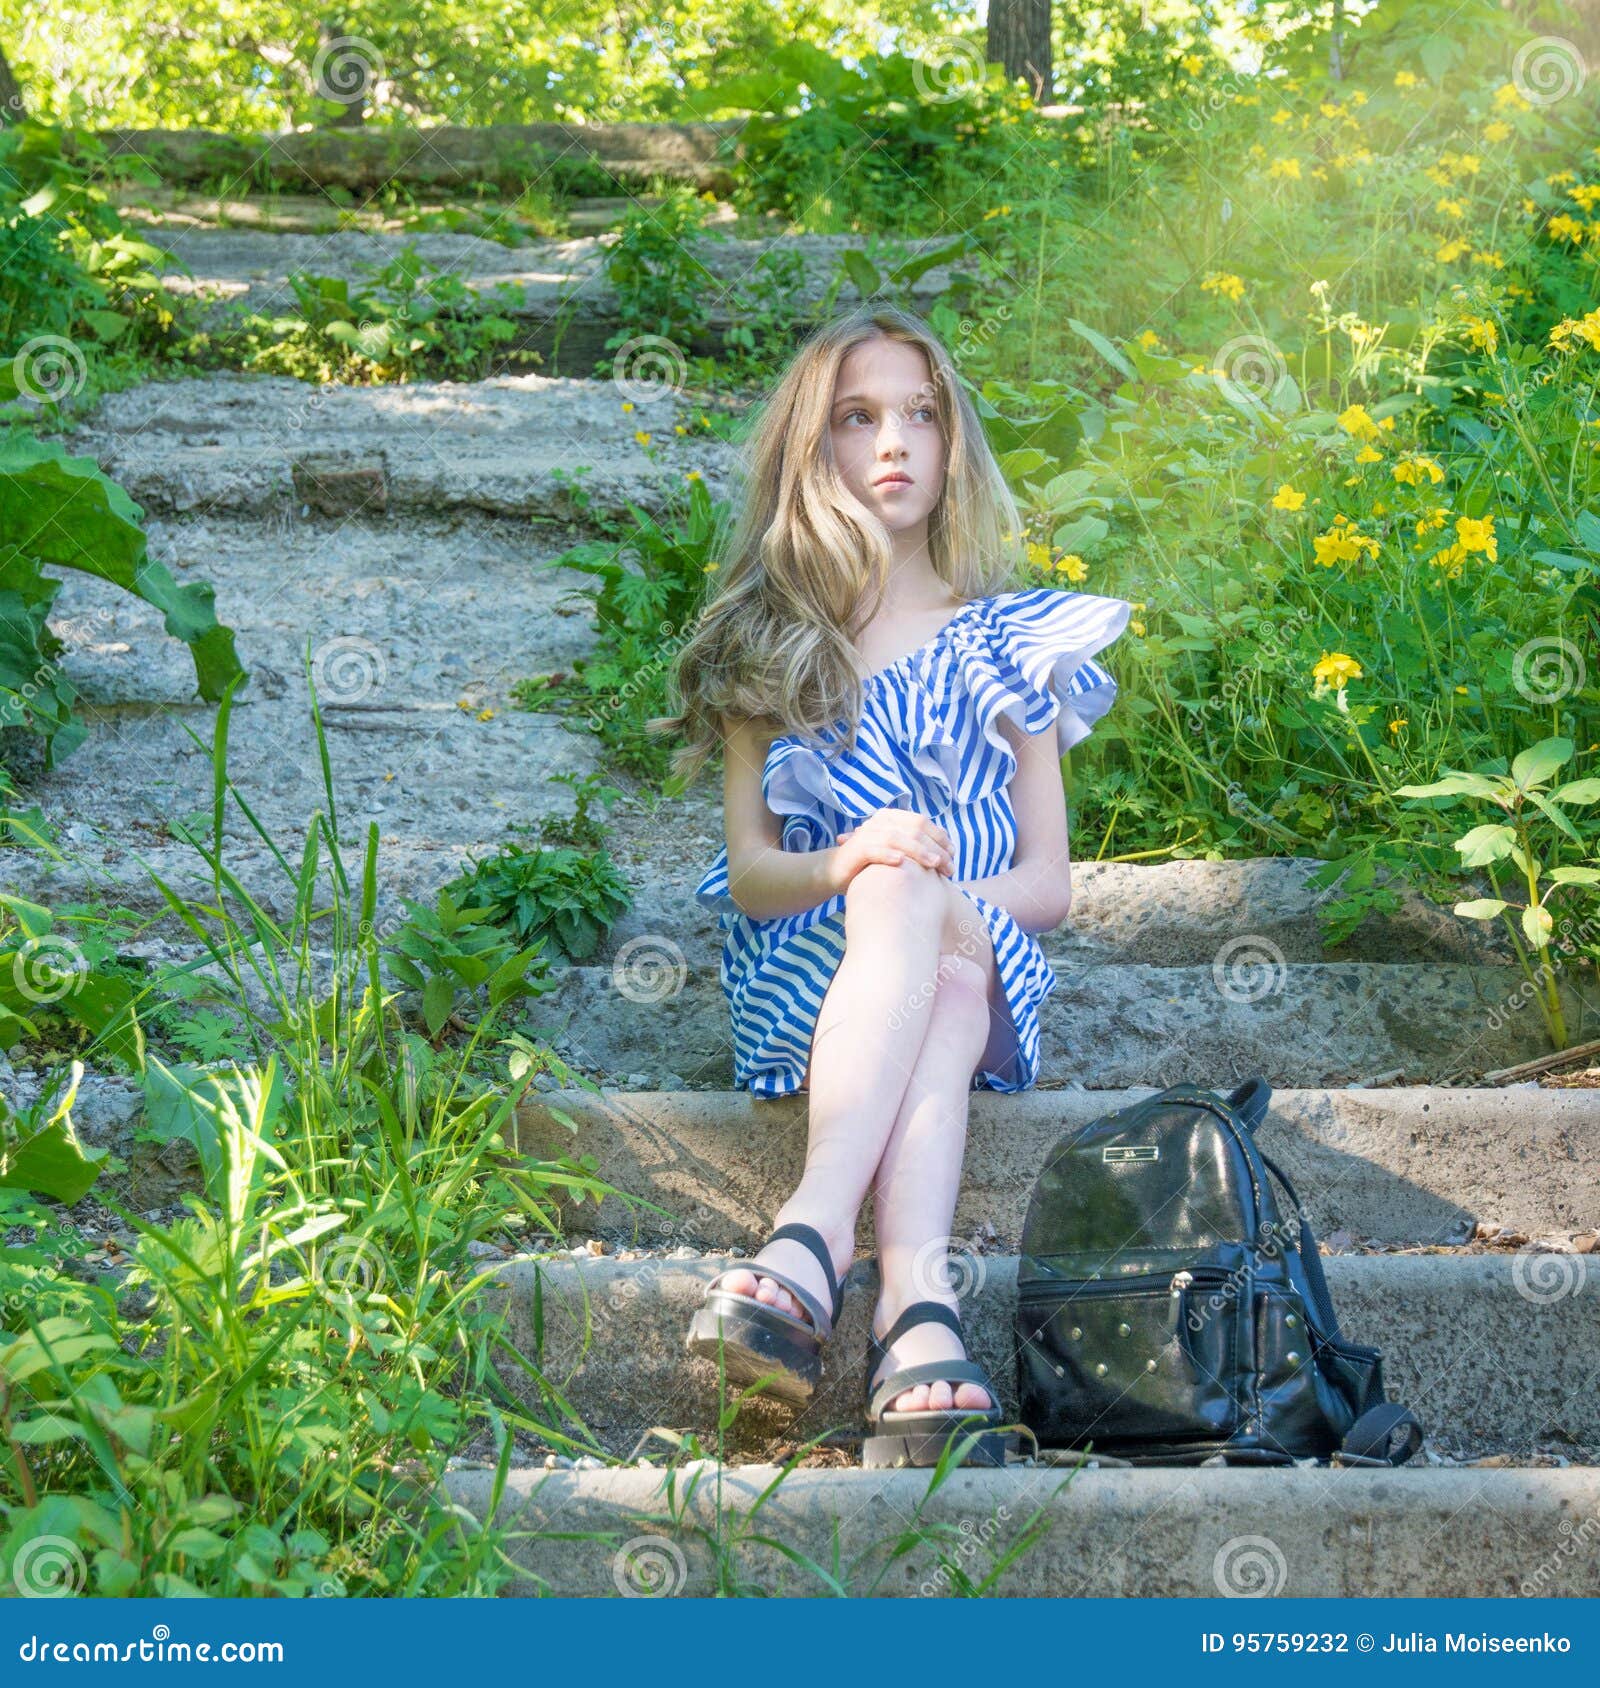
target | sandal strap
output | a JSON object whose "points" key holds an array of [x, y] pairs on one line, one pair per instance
{"points": [[820, 1326], [812, 1239], [920, 1313], [933, 1371], [822, 1320]]}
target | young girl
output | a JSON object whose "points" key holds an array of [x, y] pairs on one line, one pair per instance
{"points": [[896, 837]]}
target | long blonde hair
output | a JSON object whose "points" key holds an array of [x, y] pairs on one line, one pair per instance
{"points": [[803, 559]]}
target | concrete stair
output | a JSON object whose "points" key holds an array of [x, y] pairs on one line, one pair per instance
{"points": [[1497, 1353]]}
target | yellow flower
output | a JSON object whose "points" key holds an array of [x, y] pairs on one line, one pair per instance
{"points": [[1379, 508], [1493, 132], [485, 714], [1409, 471], [1587, 196], [1477, 534], [463, 704], [627, 405], [1335, 671], [1386, 424], [1286, 498], [1344, 542], [1507, 97], [1289, 167], [694, 475], [678, 428], [1396, 724], [1369, 454], [1038, 553], [1565, 228], [1492, 259], [642, 437], [1331, 108], [1430, 523], [1450, 208], [1357, 423], [710, 568], [1451, 250], [1193, 63], [1585, 328], [1073, 567], [1481, 332], [1220, 281], [1560, 178], [1282, 115], [1449, 561], [1150, 340], [1138, 628], [1405, 79]]}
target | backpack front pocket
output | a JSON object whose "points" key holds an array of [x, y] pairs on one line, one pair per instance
{"points": [[1155, 1358]]}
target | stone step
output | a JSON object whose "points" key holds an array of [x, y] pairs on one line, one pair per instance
{"points": [[1106, 1532], [1418, 1164], [1169, 914], [555, 292], [1497, 1350], [510, 446], [657, 1022]]}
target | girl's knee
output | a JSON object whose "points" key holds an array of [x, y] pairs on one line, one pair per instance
{"points": [[908, 892], [961, 1003]]}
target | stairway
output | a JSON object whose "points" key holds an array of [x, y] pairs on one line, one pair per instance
{"points": [[403, 530]]}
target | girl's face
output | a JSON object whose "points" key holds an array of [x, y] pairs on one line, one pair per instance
{"points": [[885, 430]]}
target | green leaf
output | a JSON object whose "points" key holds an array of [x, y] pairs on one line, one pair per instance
{"points": [[438, 997], [63, 512], [1104, 347], [1574, 876], [1538, 762], [1577, 791], [45, 1156], [1481, 908], [1538, 925], [1486, 844], [1454, 784]]}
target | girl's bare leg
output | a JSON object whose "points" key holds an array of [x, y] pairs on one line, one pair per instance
{"points": [[869, 1035], [917, 1181]]}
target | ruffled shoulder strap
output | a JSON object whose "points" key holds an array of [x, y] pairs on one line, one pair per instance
{"points": [[1033, 661]]}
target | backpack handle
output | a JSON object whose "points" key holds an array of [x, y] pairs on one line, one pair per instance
{"points": [[1249, 1101]]}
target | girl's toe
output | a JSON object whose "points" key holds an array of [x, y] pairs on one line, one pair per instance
{"points": [[913, 1400], [971, 1397], [742, 1282], [941, 1397]]}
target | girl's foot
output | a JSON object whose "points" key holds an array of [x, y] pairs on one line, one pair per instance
{"points": [[796, 1261], [927, 1342]]}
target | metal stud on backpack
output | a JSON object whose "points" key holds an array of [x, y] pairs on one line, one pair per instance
{"points": [[1168, 1311]]}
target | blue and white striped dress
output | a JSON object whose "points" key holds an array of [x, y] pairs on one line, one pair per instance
{"points": [[929, 740]]}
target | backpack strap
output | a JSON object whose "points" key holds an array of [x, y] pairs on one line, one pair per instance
{"points": [[1250, 1100], [1372, 1439]]}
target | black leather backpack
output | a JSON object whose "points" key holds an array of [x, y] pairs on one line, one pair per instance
{"points": [[1167, 1311]]}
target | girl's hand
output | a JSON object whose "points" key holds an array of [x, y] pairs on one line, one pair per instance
{"points": [[893, 836]]}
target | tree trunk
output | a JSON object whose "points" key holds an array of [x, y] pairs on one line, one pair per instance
{"points": [[12, 109], [1019, 39], [347, 73]]}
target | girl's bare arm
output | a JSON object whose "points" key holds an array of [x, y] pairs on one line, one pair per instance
{"points": [[1037, 888], [765, 880]]}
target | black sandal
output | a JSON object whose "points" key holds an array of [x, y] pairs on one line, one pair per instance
{"points": [[755, 1339], [921, 1438]]}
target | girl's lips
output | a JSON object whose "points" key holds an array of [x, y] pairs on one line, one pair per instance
{"points": [[894, 480]]}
